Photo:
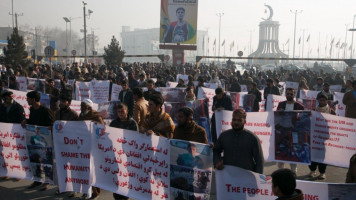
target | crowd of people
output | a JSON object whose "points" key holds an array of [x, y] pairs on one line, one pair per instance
{"points": [[142, 111]]}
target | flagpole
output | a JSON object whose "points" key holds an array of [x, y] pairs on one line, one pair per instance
{"points": [[295, 27], [319, 47], [219, 15]]}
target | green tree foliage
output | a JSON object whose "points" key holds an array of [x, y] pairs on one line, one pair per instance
{"points": [[15, 53], [113, 55]]}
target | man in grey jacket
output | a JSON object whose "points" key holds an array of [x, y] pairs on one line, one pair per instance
{"points": [[241, 147]]}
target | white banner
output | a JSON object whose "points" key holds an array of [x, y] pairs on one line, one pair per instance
{"points": [[260, 123], [340, 107], [308, 94], [72, 144], [21, 98], [171, 84], [99, 91], [204, 93], [184, 77], [335, 88], [82, 90], [14, 158], [236, 183], [273, 101], [333, 139], [22, 83], [115, 91], [130, 163]]}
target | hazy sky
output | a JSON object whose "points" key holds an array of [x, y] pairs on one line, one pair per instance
{"points": [[327, 17]]}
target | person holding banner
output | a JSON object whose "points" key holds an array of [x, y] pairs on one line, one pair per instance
{"points": [[241, 147], [187, 129], [350, 101], [10, 110], [157, 121], [323, 107], [87, 113], [270, 89], [141, 106], [124, 121], [126, 96], [289, 105], [65, 112], [284, 185], [254, 91], [221, 101], [40, 115], [326, 91], [150, 89]]}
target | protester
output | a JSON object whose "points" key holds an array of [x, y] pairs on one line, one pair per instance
{"points": [[157, 121], [187, 129], [350, 101], [53, 94], [141, 106], [289, 105], [88, 113], [65, 112], [235, 85], [326, 91], [270, 89], [323, 107], [150, 89], [254, 91], [126, 96], [351, 172], [348, 86], [284, 185], [181, 84], [241, 147], [40, 116], [189, 94], [10, 110], [319, 85], [221, 101]]}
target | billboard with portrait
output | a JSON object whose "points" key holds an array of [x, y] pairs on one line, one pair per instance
{"points": [[179, 21]]}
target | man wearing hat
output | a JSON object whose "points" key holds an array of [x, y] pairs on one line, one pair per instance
{"points": [[10, 110], [88, 113], [187, 129]]}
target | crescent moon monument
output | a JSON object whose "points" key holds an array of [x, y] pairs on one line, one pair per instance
{"points": [[268, 46]]}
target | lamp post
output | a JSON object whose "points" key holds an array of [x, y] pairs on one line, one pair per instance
{"points": [[66, 20], [295, 27], [219, 15], [85, 32], [352, 37]]}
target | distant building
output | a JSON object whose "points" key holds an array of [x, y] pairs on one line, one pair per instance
{"points": [[146, 42]]}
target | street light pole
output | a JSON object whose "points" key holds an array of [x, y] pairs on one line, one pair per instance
{"points": [[352, 37], [85, 32], [219, 15], [295, 27], [66, 20]]}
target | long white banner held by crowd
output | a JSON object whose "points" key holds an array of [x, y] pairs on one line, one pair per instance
{"points": [[130, 163], [72, 144], [261, 123], [236, 183], [333, 139], [14, 158]]}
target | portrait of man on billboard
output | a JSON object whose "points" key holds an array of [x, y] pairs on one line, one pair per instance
{"points": [[178, 31]]}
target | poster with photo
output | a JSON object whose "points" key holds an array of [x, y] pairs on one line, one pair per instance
{"points": [[190, 169], [292, 136], [40, 149]]}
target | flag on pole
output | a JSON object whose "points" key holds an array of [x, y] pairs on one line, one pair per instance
{"points": [[299, 40], [232, 45], [338, 43], [317, 50], [287, 41], [214, 42], [308, 38], [223, 43], [350, 47]]}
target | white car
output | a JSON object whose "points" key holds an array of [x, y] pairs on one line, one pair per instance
{"points": [[268, 67]]}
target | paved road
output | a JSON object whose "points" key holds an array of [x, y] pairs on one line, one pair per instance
{"points": [[12, 189]]}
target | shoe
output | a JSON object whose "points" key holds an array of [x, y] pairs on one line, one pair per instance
{"points": [[34, 184], [74, 194], [322, 176], [312, 174], [94, 197], [45, 187]]}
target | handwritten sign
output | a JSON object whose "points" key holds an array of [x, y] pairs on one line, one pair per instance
{"points": [[115, 91], [99, 91]]}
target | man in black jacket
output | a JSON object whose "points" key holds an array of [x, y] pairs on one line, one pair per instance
{"points": [[270, 89], [11, 111], [126, 96]]}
